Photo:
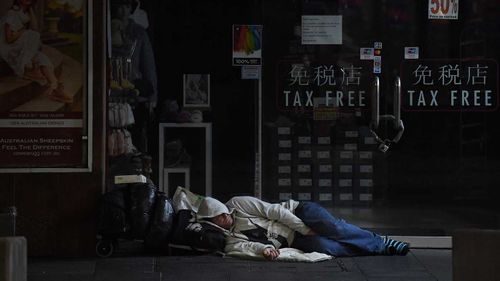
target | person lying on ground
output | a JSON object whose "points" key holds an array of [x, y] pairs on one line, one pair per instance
{"points": [[262, 228]]}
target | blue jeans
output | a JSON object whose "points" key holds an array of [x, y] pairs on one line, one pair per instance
{"points": [[334, 236]]}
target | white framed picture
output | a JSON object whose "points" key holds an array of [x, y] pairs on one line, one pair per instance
{"points": [[196, 91]]}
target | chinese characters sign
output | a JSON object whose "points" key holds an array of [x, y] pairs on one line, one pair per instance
{"points": [[449, 85], [327, 85]]}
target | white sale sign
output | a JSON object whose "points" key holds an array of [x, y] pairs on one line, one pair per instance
{"points": [[443, 9]]}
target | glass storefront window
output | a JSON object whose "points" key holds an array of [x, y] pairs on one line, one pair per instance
{"points": [[317, 111], [320, 62]]}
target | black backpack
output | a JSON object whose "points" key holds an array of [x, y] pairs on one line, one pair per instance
{"points": [[161, 224], [196, 234]]}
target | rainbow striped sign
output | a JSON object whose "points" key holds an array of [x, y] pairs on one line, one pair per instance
{"points": [[247, 45]]}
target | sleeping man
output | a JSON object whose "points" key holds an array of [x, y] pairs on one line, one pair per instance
{"points": [[259, 228]]}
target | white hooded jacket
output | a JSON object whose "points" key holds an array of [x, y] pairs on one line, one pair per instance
{"points": [[250, 213], [247, 212]]}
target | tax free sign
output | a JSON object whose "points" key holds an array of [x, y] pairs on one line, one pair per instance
{"points": [[309, 86], [449, 85]]}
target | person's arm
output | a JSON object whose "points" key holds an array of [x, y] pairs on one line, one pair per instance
{"points": [[10, 35], [251, 249], [276, 212], [33, 20]]}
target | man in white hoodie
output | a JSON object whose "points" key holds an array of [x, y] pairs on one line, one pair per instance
{"points": [[260, 228]]}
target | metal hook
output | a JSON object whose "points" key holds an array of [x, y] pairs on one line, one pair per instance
{"points": [[396, 118]]}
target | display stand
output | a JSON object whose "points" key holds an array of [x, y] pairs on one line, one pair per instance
{"points": [[163, 127], [185, 170]]}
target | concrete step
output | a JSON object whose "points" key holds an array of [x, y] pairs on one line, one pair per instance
{"points": [[13, 258]]}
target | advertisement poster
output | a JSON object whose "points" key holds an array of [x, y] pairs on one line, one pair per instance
{"points": [[321, 30], [247, 45], [44, 47], [443, 9]]}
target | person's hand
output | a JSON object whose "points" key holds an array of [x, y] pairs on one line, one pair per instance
{"points": [[271, 253]]}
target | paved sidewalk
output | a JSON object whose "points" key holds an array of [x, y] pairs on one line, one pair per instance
{"points": [[421, 265]]}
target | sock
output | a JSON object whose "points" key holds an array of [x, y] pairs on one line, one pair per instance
{"points": [[394, 247]]}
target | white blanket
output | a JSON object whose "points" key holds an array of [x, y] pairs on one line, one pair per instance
{"points": [[186, 200], [286, 255]]}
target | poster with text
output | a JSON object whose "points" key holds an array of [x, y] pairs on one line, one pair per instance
{"points": [[247, 45], [44, 50], [443, 9], [321, 30]]}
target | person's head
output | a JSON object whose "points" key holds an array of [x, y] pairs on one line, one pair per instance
{"points": [[223, 220], [121, 9], [215, 211]]}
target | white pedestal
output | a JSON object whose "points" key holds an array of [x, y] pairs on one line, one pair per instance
{"points": [[175, 170], [207, 127]]}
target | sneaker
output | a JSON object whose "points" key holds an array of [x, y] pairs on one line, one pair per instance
{"points": [[394, 247], [60, 95]]}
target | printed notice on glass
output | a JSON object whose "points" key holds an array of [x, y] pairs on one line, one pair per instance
{"points": [[247, 45], [250, 72], [366, 53], [321, 30], [443, 9], [411, 53]]}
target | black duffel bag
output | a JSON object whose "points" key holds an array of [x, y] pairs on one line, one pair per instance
{"points": [[113, 221], [142, 199], [161, 224]]}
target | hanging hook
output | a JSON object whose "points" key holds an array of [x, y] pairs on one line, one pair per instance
{"points": [[395, 118]]}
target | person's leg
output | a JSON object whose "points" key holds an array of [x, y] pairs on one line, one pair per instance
{"points": [[48, 73], [321, 244], [55, 88], [395, 247], [33, 73], [325, 224]]}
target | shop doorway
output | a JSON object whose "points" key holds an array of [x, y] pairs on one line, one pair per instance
{"points": [[440, 176]]}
